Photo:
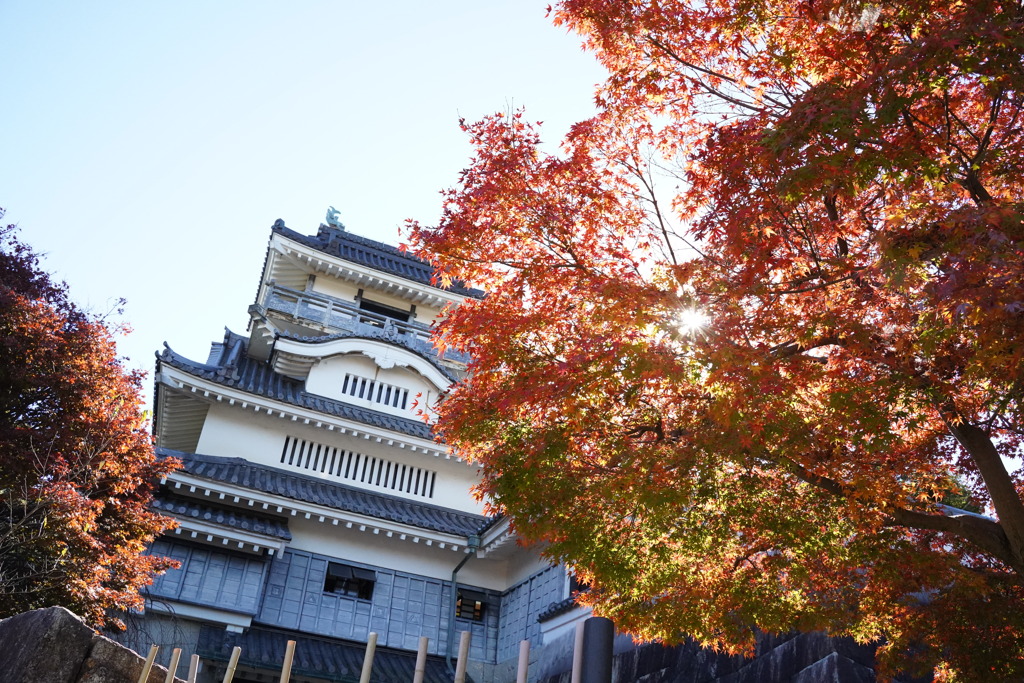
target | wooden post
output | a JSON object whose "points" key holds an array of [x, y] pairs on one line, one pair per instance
{"points": [[371, 647], [524, 662], [286, 668], [229, 675], [172, 668], [460, 666], [148, 666], [598, 640], [421, 661], [193, 669], [577, 654]]}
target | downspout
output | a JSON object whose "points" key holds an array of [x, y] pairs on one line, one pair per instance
{"points": [[472, 545]]}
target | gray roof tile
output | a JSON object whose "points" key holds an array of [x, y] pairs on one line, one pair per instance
{"points": [[373, 254], [296, 486], [235, 519], [256, 377]]}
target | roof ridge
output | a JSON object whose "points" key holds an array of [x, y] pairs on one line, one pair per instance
{"points": [[168, 502], [351, 247]]}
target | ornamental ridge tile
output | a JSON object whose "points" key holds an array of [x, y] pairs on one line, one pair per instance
{"points": [[301, 487], [372, 254]]}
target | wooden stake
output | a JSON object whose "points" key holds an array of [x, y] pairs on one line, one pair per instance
{"points": [[421, 661], [371, 647], [148, 666], [193, 669], [172, 668], [524, 661], [286, 668], [577, 654], [229, 675], [460, 666]]}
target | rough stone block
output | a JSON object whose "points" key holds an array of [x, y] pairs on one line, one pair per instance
{"points": [[53, 645], [43, 646], [110, 662]]}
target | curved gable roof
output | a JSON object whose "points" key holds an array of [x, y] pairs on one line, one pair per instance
{"points": [[229, 366], [402, 341]]}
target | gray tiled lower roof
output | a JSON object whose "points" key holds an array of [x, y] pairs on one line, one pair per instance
{"points": [[192, 509], [257, 377], [330, 659], [295, 486], [373, 254]]}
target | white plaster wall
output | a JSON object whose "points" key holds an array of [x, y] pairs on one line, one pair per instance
{"points": [[378, 550], [523, 564], [230, 431], [339, 289]]}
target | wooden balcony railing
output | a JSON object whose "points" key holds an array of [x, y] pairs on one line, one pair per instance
{"points": [[343, 316]]}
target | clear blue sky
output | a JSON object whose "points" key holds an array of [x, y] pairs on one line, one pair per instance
{"points": [[148, 147]]}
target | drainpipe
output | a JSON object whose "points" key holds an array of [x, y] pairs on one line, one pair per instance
{"points": [[472, 545]]}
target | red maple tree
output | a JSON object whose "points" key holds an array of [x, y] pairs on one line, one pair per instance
{"points": [[77, 468], [751, 353]]}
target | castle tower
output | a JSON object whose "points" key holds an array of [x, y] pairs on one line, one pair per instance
{"points": [[313, 502]]}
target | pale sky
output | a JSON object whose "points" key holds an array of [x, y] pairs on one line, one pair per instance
{"points": [[148, 147]]}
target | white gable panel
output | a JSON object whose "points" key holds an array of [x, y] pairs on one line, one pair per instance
{"points": [[356, 378]]}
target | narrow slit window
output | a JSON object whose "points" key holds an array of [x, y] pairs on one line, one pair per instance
{"points": [[357, 467]]}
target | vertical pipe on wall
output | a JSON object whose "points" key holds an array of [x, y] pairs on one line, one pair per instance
{"points": [[472, 544]]}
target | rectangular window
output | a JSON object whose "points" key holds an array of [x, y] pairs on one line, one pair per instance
{"points": [[384, 311], [470, 605], [353, 582]]}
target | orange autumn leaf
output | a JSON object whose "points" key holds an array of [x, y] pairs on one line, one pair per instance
{"points": [[77, 468], [837, 187]]}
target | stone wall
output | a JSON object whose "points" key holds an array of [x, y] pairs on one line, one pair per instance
{"points": [[53, 645]]}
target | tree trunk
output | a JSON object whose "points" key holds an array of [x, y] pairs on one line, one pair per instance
{"points": [[1009, 508]]}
